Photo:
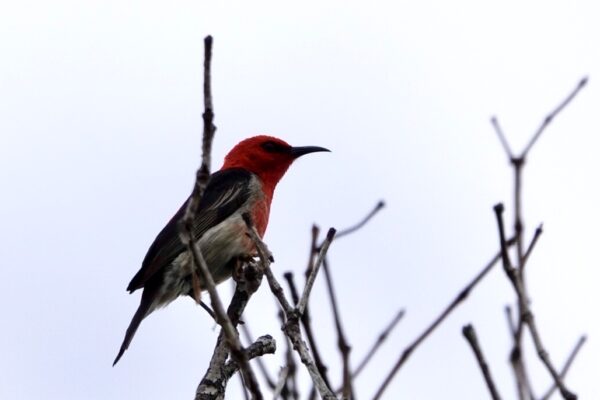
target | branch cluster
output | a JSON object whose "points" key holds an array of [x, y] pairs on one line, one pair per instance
{"points": [[230, 356]]}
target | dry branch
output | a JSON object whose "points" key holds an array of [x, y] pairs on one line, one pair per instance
{"points": [[469, 334], [462, 295], [526, 316], [305, 319], [291, 326]]}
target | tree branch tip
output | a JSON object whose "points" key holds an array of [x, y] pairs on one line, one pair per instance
{"points": [[583, 81], [468, 331], [539, 229], [331, 233], [288, 274], [208, 40], [380, 205], [499, 208]]}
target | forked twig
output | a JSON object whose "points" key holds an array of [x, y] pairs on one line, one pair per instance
{"points": [[292, 314], [526, 316]]}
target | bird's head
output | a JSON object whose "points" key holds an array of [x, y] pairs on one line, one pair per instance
{"points": [[266, 156]]}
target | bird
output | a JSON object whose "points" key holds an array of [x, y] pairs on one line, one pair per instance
{"points": [[244, 184]]}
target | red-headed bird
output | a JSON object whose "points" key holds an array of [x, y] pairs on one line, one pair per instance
{"points": [[245, 183]]}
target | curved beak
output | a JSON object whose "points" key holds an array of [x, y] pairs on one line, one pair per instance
{"points": [[302, 150]]}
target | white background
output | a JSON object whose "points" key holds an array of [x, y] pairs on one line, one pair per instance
{"points": [[100, 126]]}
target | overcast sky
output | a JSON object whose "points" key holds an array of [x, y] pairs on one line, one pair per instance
{"points": [[100, 127]]}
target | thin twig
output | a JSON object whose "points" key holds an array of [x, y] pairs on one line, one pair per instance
{"points": [[314, 235], [283, 375], [313, 275], [243, 387], [203, 173], [380, 204], [292, 325], [538, 232], [343, 346], [469, 334], [305, 319], [553, 114], [565, 368], [526, 316], [502, 137], [290, 388], [462, 295], [516, 360], [380, 340]]}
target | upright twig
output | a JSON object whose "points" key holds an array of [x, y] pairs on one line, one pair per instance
{"points": [[343, 346], [524, 311], [292, 314], [198, 265], [305, 319], [313, 274], [516, 273], [471, 337]]}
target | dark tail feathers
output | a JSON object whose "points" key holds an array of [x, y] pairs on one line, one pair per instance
{"points": [[139, 315]]}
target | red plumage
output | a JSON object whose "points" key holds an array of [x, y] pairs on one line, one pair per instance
{"points": [[245, 183]]}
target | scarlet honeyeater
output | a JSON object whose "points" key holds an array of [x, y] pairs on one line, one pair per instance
{"points": [[245, 184]]}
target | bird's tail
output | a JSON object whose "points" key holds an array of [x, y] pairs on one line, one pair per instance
{"points": [[143, 310]]}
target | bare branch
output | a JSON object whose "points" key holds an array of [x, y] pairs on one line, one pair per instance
{"points": [[469, 334], [536, 236], [344, 347], [212, 385], [203, 173], [526, 316], [380, 204], [502, 138], [313, 251], [292, 325], [313, 274], [263, 345], [380, 339], [305, 319], [283, 375], [553, 114], [462, 295], [261, 365], [565, 368]]}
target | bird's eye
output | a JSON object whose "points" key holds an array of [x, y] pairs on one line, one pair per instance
{"points": [[271, 147]]}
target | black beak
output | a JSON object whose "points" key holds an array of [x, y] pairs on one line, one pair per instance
{"points": [[300, 151]]}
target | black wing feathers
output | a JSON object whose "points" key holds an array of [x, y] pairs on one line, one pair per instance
{"points": [[226, 191]]}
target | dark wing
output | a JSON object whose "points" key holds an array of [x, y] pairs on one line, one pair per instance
{"points": [[226, 191]]}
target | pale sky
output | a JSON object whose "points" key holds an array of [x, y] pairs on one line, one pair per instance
{"points": [[100, 122]]}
